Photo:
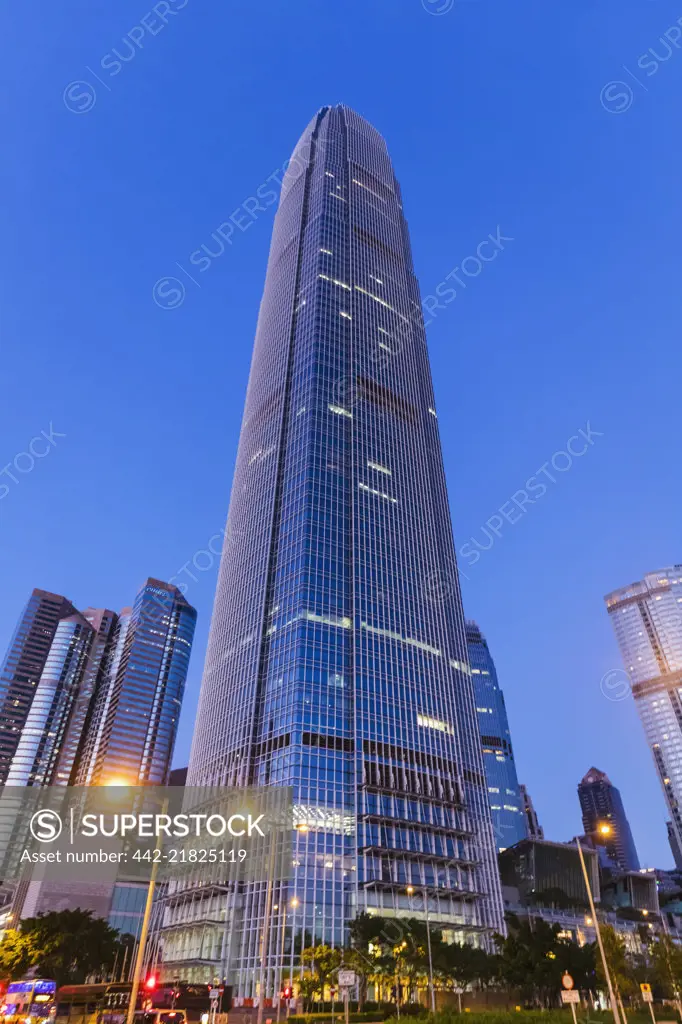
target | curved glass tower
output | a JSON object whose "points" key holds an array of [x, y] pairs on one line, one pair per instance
{"points": [[334, 664], [42, 737], [506, 801], [647, 621]]}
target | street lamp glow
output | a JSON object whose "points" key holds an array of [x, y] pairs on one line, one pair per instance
{"points": [[605, 830]]}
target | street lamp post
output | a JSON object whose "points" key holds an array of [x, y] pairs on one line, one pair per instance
{"points": [[294, 904], [612, 997], [139, 963]]}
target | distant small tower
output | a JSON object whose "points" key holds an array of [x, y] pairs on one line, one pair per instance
{"points": [[534, 829], [605, 822]]}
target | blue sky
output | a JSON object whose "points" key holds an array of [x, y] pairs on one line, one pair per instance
{"points": [[499, 116]]}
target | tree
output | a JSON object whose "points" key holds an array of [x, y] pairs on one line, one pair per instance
{"points": [[533, 959], [620, 967], [67, 945], [363, 967], [666, 964], [323, 962], [16, 954]]}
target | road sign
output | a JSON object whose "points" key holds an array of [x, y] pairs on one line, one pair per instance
{"points": [[347, 979], [567, 980], [647, 994], [570, 996]]}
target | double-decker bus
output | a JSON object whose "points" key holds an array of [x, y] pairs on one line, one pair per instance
{"points": [[29, 1001], [108, 1003]]}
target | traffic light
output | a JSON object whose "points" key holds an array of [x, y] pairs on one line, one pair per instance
{"points": [[286, 992], [150, 983]]}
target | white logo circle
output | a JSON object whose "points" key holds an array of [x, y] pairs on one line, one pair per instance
{"points": [[616, 684], [46, 826]]}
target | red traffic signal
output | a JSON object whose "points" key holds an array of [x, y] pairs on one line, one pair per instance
{"points": [[150, 983], [286, 993]]}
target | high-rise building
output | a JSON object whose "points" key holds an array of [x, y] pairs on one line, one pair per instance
{"points": [[42, 737], [105, 704], [534, 829], [104, 710], [134, 722], [498, 757], [605, 822], [24, 665], [647, 620], [337, 660]]}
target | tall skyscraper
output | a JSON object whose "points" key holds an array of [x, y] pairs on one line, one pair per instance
{"points": [[498, 757], [131, 735], [23, 667], [647, 620], [104, 710], [42, 737], [605, 822], [334, 663], [534, 829], [106, 702]]}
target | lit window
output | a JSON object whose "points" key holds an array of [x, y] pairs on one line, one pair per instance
{"points": [[362, 185], [328, 620], [379, 494], [433, 723], [404, 639], [461, 666], [380, 301], [333, 280], [381, 469], [340, 411]]}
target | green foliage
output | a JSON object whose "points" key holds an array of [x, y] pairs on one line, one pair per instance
{"points": [[67, 945], [666, 966], [391, 952], [533, 959], [16, 955], [327, 1018], [619, 964]]}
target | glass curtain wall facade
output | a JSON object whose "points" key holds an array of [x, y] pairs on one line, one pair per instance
{"points": [[43, 734], [135, 721], [23, 667], [505, 798], [93, 697], [647, 621], [334, 665], [95, 680]]}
